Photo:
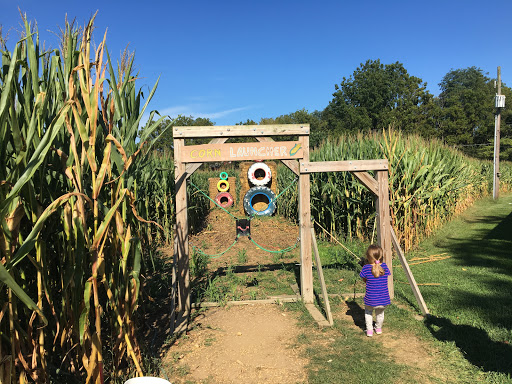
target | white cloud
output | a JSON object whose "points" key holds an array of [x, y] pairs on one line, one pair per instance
{"points": [[197, 110], [194, 110]]}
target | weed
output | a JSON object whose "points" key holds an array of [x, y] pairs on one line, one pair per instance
{"points": [[242, 256]]}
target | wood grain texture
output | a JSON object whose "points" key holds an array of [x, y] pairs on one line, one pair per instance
{"points": [[384, 225], [306, 265], [340, 166], [241, 130], [408, 273]]}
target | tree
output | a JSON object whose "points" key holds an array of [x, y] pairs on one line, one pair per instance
{"points": [[301, 116], [165, 142], [467, 105], [377, 95]]}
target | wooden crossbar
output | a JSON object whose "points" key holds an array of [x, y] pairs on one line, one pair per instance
{"points": [[341, 166], [241, 130]]}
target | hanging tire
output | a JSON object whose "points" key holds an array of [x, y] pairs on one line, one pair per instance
{"points": [[223, 186], [259, 201], [224, 199], [259, 174]]}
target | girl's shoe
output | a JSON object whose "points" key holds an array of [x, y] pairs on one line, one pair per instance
{"points": [[378, 331], [369, 333]]}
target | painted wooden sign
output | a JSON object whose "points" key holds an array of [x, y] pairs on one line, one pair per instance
{"points": [[241, 151]]}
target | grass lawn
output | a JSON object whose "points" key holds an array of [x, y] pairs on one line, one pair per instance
{"points": [[470, 326]]}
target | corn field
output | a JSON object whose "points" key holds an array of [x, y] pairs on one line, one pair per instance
{"points": [[70, 238], [428, 182], [81, 194]]}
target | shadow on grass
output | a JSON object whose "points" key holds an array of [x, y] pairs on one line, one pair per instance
{"points": [[357, 313], [475, 344]]}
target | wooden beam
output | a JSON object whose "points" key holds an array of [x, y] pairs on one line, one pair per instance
{"points": [[340, 166], [192, 167], [270, 300], [368, 181], [317, 315], [241, 151], [384, 225], [241, 130], [174, 285], [181, 234], [306, 263], [408, 273], [321, 277], [293, 165]]}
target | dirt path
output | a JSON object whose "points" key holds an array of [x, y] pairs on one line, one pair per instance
{"points": [[255, 344], [245, 344]]}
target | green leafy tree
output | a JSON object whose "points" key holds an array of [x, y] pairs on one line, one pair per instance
{"points": [[301, 116], [467, 111], [378, 95], [165, 138]]}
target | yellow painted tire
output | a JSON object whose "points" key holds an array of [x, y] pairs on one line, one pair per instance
{"points": [[223, 186]]}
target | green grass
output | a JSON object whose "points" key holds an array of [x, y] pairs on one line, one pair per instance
{"points": [[473, 306], [471, 322]]}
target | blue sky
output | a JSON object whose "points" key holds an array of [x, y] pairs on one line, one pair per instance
{"points": [[238, 60]]}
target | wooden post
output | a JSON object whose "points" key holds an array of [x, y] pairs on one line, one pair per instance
{"points": [[174, 284], [321, 277], [408, 274], [181, 236], [384, 225], [497, 123], [306, 263]]}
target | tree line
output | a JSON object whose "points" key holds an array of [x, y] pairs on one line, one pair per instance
{"points": [[378, 96]]}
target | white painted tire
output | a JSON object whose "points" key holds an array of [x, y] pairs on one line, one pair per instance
{"points": [[255, 174]]}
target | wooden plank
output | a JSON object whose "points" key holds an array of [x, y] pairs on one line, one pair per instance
{"points": [[341, 166], [270, 300], [306, 263], [241, 130], [241, 151], [181, 235], [321, 277], [317, 315], [192, 167], [408, 273], [293, 165], [384, 225], [368, 181], [174, 285]]}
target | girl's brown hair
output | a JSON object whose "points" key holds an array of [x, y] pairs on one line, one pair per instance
{"points": [[374, 256]]}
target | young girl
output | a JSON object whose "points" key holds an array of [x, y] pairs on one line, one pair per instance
{"points": [[374, 274]]}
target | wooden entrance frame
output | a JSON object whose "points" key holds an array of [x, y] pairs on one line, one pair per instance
{"points": [[186, 163]]}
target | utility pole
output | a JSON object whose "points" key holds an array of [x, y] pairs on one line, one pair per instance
{"points": [[499, 103]]}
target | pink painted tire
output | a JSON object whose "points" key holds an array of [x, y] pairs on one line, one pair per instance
{"points": [[224, 199]]}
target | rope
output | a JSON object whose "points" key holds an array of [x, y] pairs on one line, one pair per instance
{"points": [[284, 190], [336, 240], [287, 249], [217, 255]]}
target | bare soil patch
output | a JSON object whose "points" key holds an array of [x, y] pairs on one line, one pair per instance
{"points": [[243, 344]]}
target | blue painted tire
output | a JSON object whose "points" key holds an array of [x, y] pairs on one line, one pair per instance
{"points": [[263, 193], [223, 176]]}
